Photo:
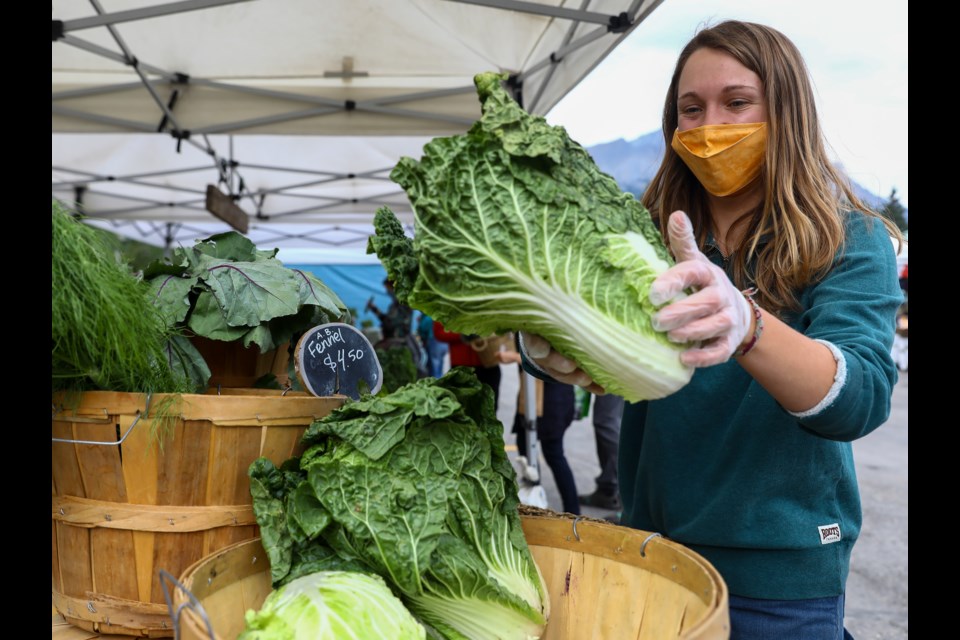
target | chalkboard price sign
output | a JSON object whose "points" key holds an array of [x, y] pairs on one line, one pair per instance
{"points": [[337, 359]]}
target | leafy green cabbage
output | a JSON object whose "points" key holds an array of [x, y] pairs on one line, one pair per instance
{"points": [[416, 487], [332, 605], [224, 288], [516, 229]]}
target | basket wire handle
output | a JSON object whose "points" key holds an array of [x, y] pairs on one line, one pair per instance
{"points": [[643, 553], [575, 521], [117, 443], [192, 604]]}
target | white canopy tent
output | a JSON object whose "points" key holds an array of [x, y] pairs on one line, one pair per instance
{"points": [[297, 110]]}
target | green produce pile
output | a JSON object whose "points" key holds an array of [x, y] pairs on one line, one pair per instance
{"points": [[105, 335], [224, 288], [414, 486], [517, 229]]}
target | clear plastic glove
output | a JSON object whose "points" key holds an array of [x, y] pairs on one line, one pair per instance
{"points": [[716, 314], [558, 367]]}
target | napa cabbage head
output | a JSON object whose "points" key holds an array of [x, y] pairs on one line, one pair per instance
{"points": [[332, 605], [517, 229]]}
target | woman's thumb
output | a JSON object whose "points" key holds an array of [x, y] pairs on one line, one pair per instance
{"points": [[682, 243]]}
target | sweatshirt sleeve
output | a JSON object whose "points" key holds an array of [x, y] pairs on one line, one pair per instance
{"points": [[853, 311]]}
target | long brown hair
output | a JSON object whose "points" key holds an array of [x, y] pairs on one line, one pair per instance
{"points": [[806, 196]]}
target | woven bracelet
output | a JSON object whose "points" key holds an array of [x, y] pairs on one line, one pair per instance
{"points": [[745, 349]]}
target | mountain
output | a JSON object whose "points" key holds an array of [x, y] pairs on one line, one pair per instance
{"points": [[633, 164]]}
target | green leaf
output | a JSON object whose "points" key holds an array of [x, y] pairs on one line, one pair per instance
{"points": [[314, 292], [185, 360], [170, 296], [517, 229], [249, 293], [268, 486], [229, 245], [208, 319]]}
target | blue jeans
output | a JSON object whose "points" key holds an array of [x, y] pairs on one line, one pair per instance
{"points": [[813, 619]]}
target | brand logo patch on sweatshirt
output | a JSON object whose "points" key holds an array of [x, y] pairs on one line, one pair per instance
{"points": [[829, 533]]}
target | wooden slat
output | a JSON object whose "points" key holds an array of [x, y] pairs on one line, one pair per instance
{"points": [[72, 569], [101, 403], [103, 480], [231, 453], [83, 512], [182, 480], [252, 408], [278, 444], [274, 362], [140, 475], [63, 630], [113, 615]]}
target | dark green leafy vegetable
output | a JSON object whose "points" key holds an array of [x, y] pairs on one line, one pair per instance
{"points": [[224, 288]]}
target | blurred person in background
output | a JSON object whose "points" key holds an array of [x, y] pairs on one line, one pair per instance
{"points": [[396, 326], [556, 416], [436, 350], [462, 354], [607, 412]]}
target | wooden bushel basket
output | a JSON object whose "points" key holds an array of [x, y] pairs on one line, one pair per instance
{"points": [[605, 582], [233, 365], [126, 509]]}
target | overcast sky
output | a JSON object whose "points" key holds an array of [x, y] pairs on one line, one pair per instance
{"points": [[856, 51]]}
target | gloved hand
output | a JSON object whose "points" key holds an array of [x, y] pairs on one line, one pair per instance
{"points": [[717, 314], [558, 367]]}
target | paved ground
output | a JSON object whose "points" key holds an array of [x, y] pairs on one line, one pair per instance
{"points": [[877, 587]]}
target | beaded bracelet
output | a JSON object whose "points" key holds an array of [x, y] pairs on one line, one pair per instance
{"points": [[743, 350]]}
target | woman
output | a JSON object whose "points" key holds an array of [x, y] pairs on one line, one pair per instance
{"points": [[791, 322]]}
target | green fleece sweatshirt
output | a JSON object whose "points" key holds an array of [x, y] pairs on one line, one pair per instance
{"points": [[770, 498]]}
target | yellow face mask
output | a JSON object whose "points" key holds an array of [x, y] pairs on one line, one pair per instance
{"points": [[724, 157]]}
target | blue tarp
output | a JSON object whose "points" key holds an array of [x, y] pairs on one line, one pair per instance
{"points": [[355, 284]]}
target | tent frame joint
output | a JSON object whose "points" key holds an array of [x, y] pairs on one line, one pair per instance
{"points": [[619, 23]]}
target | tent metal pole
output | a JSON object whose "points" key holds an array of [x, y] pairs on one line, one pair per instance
{"points": [[568, 36], [578, 15], [299, 97], [116, 57], [95, 91], [104, 19], [596, 34], [109, 120], [371, 174]]}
